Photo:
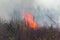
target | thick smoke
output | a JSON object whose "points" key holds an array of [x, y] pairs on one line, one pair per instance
{"points": [[40, 9], [50, 8], [7, 8]]}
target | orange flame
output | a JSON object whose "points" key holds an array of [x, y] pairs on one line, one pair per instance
{"points": [[29, 20]]}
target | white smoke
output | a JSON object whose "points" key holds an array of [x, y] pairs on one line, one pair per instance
{"points": [[52, 5], [7, 7], [49, 7]]}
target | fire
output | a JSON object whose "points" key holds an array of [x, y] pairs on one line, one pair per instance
{"points": [[29, 21]]}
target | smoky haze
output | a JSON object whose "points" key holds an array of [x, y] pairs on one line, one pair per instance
{"points": [[39, 9]]}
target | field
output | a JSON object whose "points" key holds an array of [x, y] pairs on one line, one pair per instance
{"points": [[19, 31]]}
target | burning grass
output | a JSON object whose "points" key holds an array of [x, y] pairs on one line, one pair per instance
{"points": [[18, 31], [27, 30]]}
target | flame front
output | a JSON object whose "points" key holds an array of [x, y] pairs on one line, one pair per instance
{"points": [[29, 20]]}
